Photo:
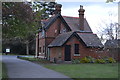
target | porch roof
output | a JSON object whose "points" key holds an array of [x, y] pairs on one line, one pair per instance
{"points": [[60, 40], [89, 39]]}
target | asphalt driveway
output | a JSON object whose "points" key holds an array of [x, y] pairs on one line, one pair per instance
{"points": [[24, 69]]}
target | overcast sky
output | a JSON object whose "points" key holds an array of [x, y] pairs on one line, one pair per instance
{"points": [[96, 13]]}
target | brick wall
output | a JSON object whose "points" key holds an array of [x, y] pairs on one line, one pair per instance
{"points": [[51, 34], [114, 53], [55, 28], [53, 31], [56, 53], [83, 50], [42, 46]]}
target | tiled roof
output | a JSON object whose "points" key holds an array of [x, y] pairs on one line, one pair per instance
{"points": [[91, 40], [60, 39], [112, 43], [73, 23]]}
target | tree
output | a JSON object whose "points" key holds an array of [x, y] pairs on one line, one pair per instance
{"points": [[110, 1], [108, 29], [17, 18], [21, 20], [44, 10]]}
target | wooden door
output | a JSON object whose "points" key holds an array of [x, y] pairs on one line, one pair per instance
{"points": [[67, 53]]}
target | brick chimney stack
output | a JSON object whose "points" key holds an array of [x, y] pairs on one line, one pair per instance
{"points": [[81, 17], [57, 9]]}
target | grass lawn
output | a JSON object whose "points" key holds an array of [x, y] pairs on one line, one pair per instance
{"points": [[15, 54], [80, 70], [0, 69], [3, 71], [0, 53], [35, 60], [86, 70]]}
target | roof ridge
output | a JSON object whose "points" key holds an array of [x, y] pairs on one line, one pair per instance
{"points": [[70, 16], [66, 33]]}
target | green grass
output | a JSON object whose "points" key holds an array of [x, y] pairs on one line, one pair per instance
{"points": [[0, 69], [3, 71], [16, 54], [35, 60], [86, 70], [0, 53]]}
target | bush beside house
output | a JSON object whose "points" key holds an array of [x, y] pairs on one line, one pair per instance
{"points": [[89, 59]]}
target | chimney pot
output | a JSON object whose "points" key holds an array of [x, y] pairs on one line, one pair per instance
{"points": [[58, 8], [81, 7]]}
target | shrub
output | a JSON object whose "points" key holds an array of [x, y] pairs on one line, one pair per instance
{"points": [[106, 59], [89, 59], [111, 60], [102, 61], [92, 60], [85, 60], [76, 61]]}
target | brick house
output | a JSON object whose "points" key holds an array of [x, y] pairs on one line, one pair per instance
{"points": [[64, 38]]}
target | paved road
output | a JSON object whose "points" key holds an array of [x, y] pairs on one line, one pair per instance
{"points": [[24, 69]]}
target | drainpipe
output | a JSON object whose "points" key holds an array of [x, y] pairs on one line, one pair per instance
{"points": [[45, 47], [38, 46]]}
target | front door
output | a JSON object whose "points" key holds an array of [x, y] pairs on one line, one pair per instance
{"points": [[67, 53]]}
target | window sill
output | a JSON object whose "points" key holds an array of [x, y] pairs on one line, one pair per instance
{"points": [[76, 54]]}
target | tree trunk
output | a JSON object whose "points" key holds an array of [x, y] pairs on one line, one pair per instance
{"points": [[27, 48]]}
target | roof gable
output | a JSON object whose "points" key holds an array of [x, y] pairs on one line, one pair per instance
{"points": [[60, 39], [51, 20], [63, 38], [73, 23], [88, 39]]}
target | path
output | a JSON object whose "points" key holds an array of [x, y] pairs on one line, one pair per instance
{"points": [[24, 69]]}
